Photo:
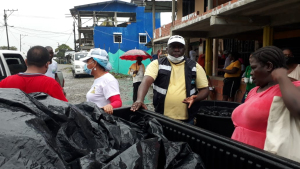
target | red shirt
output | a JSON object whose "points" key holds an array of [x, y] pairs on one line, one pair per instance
{"points": [[201, 60], [30, 83], [251, 118]]}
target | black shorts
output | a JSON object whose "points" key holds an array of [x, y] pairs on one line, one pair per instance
{"points": [[231, 85]]}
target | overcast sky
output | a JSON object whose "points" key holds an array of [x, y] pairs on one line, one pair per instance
{"points": [[44, 22]]}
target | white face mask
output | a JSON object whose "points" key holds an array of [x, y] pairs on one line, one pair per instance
{"points": [[174, 59]]}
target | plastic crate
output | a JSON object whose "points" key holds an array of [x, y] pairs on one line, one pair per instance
{"points": [[218, 124], [216, 151]]}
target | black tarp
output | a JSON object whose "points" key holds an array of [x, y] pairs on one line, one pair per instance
{"points": [[38, 131]]}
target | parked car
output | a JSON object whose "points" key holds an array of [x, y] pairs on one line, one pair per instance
{"points": [[77, 65], [11, 62]]}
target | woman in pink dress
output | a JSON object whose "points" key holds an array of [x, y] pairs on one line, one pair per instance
{"points": [[270, 76]]}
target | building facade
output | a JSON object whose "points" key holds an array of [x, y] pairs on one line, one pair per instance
{"points": [[115, 25], [234, 25]]}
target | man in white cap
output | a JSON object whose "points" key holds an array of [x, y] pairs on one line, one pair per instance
{"points": [[178, 83]]}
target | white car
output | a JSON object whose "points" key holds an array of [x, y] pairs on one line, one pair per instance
{"points": [[77, 65], [11, 62]]}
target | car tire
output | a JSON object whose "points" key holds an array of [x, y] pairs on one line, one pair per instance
{"points": [[74, 75]]}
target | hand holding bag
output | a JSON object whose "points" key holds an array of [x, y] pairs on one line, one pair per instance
{"points": [[283, 131]]}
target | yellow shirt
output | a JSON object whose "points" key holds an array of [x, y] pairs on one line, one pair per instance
{"points": [[174, 108], [236, 64]]}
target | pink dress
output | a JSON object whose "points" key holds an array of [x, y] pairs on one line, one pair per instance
{"points": [[251, 118]]}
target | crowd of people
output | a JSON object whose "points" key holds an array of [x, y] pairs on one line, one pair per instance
{"points": [[179, 82]]}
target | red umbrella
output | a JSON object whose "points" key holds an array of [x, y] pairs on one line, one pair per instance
{"points": [[133, 54]]}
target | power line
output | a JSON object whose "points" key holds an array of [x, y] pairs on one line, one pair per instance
{"points": [[32, 16], [50, 35], [46, 38], [13, 36], [69, 38], [41, 30]]}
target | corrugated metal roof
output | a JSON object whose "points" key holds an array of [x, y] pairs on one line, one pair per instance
{"points": [[106, 2]]}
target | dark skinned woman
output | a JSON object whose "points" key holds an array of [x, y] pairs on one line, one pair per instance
{"points": [[269, 73]]}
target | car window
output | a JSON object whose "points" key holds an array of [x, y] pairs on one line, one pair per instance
{"points": [[15, 62], [2, 72], [80, 55]]}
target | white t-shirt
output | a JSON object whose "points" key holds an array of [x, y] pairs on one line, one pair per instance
{"points": [[102, 89], [295, 74], [193, 55], [139, 76], [52, 69]]}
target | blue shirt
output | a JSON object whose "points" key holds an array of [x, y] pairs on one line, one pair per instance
{"points": [[154, 57]]}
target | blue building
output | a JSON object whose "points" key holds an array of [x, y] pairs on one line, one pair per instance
{"points": [[115, 25]]}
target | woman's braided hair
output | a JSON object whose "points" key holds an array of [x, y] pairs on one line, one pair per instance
{"points": [[270, 54]]}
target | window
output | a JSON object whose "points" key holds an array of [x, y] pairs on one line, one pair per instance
{"points": [[143, 38], [117, 37], [80, 55], [2, 72], [15, 62], [188, 7]]}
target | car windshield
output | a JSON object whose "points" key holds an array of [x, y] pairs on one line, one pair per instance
{"points": [[15, 63], [80, 55]]}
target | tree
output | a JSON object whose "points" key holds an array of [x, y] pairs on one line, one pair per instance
{"points": [[61, 49], [10, 48]]}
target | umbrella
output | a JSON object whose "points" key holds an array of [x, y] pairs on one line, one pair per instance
{"points": [[133, 54]]}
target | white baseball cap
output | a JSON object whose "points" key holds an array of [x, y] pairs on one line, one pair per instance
{"points": [[176, 38]]}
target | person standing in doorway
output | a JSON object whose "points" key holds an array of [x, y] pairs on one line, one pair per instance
{"points": [[137, 71]]}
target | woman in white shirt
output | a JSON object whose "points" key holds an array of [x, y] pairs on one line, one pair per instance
{"points": [[105, 89]]}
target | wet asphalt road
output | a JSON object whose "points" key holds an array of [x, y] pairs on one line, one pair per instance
{"points": [[76, 88]]}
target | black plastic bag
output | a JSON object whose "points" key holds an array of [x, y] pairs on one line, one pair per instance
{"points": [[38, 131]]}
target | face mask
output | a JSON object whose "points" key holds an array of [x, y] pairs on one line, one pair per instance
{"points": [[174, 59], [87, 70], [290, 60]]}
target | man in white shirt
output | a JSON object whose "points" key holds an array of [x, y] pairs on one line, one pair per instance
{"points": [[52, 69], [137, 71]]}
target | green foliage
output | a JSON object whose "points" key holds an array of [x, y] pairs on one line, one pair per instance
{"points": [[10, 48], [61, 49]]}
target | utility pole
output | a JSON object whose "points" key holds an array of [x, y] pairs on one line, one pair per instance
{"points": [[5, 22], [21, 41], [74, 36]]}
